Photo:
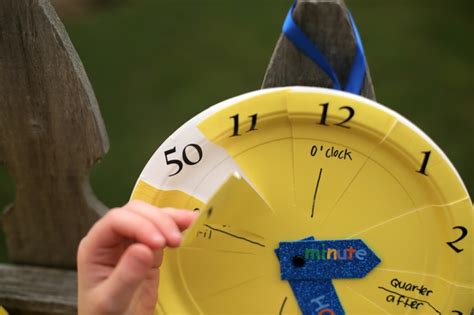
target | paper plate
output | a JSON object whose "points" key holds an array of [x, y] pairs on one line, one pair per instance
{"points": [[318, 163]]}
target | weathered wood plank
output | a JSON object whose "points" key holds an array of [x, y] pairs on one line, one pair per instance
{"points": [[35, 290], [327, 24], [51, 133]]}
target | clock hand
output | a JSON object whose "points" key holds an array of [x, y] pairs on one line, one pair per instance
{"points": [[316, 192]]}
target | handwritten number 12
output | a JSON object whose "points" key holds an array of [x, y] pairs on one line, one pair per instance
{"points": [[324, 115]]}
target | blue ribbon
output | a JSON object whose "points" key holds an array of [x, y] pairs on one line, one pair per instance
{"points": [[356, 77]]}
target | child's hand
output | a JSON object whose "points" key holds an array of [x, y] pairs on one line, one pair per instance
{"points": [[118, 259]]}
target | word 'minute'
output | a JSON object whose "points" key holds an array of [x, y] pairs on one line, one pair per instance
{"points": [[334, 253]]}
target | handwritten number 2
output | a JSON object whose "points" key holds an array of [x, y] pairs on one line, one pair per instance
{"points": [[351, 114], [463, 235]]}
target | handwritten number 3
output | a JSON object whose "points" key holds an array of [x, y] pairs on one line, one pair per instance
{"points": [[463, 235]]}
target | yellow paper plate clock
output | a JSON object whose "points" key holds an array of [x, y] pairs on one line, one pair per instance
{"points": [[312, 201]]}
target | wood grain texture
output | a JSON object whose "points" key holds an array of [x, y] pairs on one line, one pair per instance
{"points": [[38, 291], [327, 24], [51, 133]]}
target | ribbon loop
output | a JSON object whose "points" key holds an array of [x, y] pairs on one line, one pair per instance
{"points": [[355, 81]]}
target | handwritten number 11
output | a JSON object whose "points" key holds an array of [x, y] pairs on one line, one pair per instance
{"points": [[253, 124]]}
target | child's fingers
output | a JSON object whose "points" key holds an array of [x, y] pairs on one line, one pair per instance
{"points": [[162, 221], [183, 218], [157, 258], [125, 280], [119, 225], [169, 221]]}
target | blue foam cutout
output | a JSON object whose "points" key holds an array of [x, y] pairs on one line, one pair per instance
{"points": [[328, 259], [315, 296]]}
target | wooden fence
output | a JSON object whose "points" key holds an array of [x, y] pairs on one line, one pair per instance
{"points": [[52, 133]]}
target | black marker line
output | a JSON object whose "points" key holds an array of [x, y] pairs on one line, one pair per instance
{"points": [[316, 192], [283, 306], [233, 235], [411, 298]]}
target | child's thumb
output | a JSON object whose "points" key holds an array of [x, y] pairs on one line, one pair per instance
{"points": [[127, 277]]}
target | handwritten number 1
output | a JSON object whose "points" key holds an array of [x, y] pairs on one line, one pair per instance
{"points": [[254, 122], [236, 125], [324, 115], [422, 169]]}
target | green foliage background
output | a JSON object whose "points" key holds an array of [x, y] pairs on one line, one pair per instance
{"points": [[154, 64]]}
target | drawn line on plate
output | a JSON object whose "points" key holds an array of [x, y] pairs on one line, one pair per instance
{"points": [[410, 212], [316, 192], [283, 305], [233, 235]]}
